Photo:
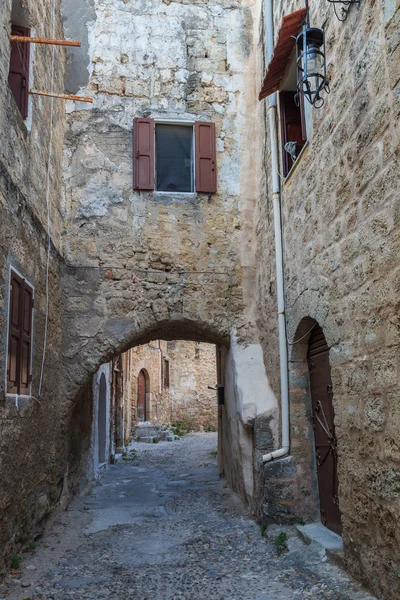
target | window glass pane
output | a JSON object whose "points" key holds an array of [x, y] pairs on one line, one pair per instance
{"points": [[174, 161]]}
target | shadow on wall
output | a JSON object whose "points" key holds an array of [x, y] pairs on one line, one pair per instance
{"points": [[77, 445]]}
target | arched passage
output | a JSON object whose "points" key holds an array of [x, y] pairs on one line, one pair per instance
{"points": [[102, 419], [242, 371]]}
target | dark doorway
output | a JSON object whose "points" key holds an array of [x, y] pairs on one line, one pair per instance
{"points": [[324, 429], [102, 418], [141, 400]]}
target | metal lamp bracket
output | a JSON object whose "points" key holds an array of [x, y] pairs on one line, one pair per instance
{"points": [[344, 9]]}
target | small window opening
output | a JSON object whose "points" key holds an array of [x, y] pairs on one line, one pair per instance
{"points": [[295, 119], [174, 158], [166, 372]]}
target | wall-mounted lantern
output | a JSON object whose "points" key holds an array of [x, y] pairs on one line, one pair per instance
{"points": [[344, 8], [311, 63]]}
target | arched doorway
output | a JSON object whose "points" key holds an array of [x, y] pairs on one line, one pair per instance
{"points": [[102, 418], [141, 396], [324, 429]]}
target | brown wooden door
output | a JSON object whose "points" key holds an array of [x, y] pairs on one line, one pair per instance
{"points": [[141, 401], [324, 429]]}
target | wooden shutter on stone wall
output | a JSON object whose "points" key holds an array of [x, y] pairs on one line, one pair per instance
{"points": [[14, 336], [143, 157], [18, 76], [26, 339], [206, 170], [20, 336]]}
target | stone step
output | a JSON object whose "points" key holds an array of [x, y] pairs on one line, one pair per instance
{"points": [[144, 431], [329, 541]]}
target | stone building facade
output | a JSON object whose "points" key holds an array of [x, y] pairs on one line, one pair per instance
{"points": [[113, 267], [179, 385], [146, 265], [180, 379], [33, 458], [340, 217]]}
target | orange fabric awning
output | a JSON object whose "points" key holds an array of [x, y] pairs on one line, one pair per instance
{"points": [[290, 27]]}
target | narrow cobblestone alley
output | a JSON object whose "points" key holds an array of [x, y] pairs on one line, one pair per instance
{"points": [[162, 525]]}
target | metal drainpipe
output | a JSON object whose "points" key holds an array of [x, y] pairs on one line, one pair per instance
{"points": [[276, 201]]}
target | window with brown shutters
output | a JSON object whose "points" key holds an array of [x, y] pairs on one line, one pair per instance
{"points": [[18, 75], [206, 174], [143, 144], [174, 157], [293, 134], [19, 335]]}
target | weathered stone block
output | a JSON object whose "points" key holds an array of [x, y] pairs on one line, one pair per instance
{"points": [[384, 482]]}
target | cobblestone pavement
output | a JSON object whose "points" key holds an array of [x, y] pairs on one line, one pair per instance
{"points": [[163, 526]]}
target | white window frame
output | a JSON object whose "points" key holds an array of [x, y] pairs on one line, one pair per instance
{"points": [[188, 123]]}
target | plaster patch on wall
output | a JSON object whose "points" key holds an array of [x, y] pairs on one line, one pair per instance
{"points": [[78, 18], [252, 389]]}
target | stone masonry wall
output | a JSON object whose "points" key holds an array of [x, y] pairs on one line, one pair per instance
{"points": [[157, 265], [34, 436], [342, 242], [193, 370]]}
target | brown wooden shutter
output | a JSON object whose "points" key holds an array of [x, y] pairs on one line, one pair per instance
{"points": [[26, 338], [14, 335], [143, 156], [18, 76], [291, 127], [20, 336], [206, 170]]}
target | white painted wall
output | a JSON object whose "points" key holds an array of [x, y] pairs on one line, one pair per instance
{"points": [[248, 394]]}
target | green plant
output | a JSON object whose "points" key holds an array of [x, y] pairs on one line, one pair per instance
{"points": [[180, 428], [30, 547], [213, 453], [280, 542], [130, 456], [15, 562], [210, 429], [263, 530], [156, 440], [301, 521]]}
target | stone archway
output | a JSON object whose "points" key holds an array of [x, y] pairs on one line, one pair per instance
{"points": [[122, 317], [247, 390]]}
